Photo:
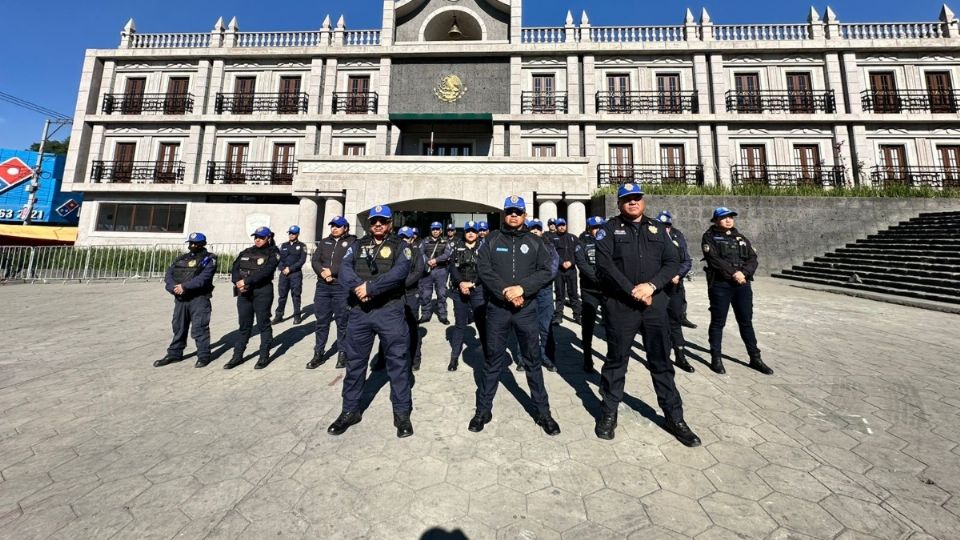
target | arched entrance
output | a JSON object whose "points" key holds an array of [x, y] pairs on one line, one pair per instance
{"points": [[421, 213]]}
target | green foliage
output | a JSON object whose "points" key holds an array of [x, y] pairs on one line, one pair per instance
{"points": [[52, 147], [896, 192]]}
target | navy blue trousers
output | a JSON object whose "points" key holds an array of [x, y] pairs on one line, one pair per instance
{"points": [[330, 304], [293, 284], [255, 303], [722, 295], [387, 323], [465, 308], [193, 317], [434, 283]]}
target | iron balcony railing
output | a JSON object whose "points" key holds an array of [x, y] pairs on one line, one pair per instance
{"points": [[152, 103], [648, 102], [656, 175], [138, 172], [898, 101], [789, 102], [283, 103], [932, 177], [355, 102], [251, 172], [544, 102], [787, 176]]}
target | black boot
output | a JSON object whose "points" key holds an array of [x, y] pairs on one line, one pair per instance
{"points": [[235, 361], [425, 317], [606, 426], [415, 366], [757, 363], [548, 424], [588, 361], [479, 420], [452, 366], [716, 365], [297, 319], [687, 323], [203, 361], [317, 360], [343, 422], [401, 421], [683, 433], [549, 365], [165, 361], [277, 319], [263, 361], [680, 355], [443, 320], [341, 360]]}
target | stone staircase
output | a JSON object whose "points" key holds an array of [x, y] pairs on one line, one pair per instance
{"points": [[919, 258]]}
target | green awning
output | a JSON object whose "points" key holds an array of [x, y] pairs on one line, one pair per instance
{"points": [[436, 117]]}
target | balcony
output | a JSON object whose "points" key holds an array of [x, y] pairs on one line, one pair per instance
{"points": [[137, 172], [648, 102], [651, 175], [929, 177], [286, 103], [789, 102], [543, 102], [898, 101], [787, 176], [251, 172], [355, 102], [147, 103]]}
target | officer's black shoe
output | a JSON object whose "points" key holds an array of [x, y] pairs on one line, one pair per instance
{"points": [[454, 363], [757, 363], [425, 318], [519, 366], [479, 420], [263, 362], [683, 433], [341, 360], [549, 425], [588, 362], [556, 321], [401, 421], [687, 323], [202, 362], [549, 366], [680, 354], [606, 426], [444, 321], [343, 422], [277, 319], [716, 365], [165, 361], [415, 366], [578, 319], [297, 319], [234, 362], [317, 360]]}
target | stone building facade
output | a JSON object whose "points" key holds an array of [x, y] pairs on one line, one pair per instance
{"points": [[453, 104]]}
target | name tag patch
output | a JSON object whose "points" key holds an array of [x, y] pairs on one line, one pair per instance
{"points": [[503, 250]]}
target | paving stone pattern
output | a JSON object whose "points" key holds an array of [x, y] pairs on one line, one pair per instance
{"points": [[855, 436]]}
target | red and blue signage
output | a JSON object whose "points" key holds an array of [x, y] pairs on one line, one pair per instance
{"points": [[52, 206]]}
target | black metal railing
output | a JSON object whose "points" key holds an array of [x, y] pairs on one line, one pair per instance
{"points": [[932, 177], [283, 103], [648, 102], [898, 101], [355, 102], [656, 175], [787, 176], [138, 172], [790, 102], [544, 102], [260, 172], [152, 103]]}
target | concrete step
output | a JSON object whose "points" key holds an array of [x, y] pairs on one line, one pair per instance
{"points": [[903, 249], [948, 285], [905, 261], [879, 268], [949, 290], [873, 288], [946, 243]]}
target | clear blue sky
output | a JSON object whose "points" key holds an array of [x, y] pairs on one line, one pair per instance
{"points": [[43, 53]]}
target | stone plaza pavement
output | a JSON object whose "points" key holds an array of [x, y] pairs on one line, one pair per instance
{"points": [[855, 436]]}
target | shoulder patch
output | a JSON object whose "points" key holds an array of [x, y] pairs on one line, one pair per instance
{"points": [[706, 248], [407, 253], [524, 249], [601, 234]]}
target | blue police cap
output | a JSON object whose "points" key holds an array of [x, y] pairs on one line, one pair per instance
{"points": [[436, 225], [451, 227], [514, 202], [483, 226], [629, 189], [294, 229], [665, 217], [416, 231], [723, 212], [561, 222], [470, 226], [405, 232], [197, 238], [595, 221], [381, 212], [551, 221], [339, 221], [536, 224], [262, 232]]}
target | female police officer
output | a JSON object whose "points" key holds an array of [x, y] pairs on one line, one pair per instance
{"points": [[731, 264]]}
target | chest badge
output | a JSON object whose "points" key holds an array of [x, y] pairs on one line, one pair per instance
{"points": [[524, 249], [260, 261], [191, 264], [344, 244], [386, 252], [706, 248], [653, 230]]}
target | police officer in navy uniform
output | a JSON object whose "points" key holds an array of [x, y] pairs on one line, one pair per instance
{"points": [[436, 252], [375, 270], [467, 292], [731, 265], [411, 297], [513, 265], [451, 234], [253, 286], [293, 255], [586, 260], [635, 261], [483, 229], [676, 308], [545, 304], [330, 299], [190, 280], [565, 285]]}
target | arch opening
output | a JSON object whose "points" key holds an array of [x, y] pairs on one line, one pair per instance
{"points": [[440, 25], [421, 213]]}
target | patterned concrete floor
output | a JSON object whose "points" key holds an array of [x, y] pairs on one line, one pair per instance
{"points": [[855, 436]]}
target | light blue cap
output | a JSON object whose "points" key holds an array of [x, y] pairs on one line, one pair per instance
{"points": [[629, 189], [294, 229], [722, 212], [381, 211], [405, 232], [483, 226], [339, 221], [197, 238], [262, 232], [514, 201], [436, 225]]}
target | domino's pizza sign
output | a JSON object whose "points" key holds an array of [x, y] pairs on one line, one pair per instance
{"points": [[13, 172]]}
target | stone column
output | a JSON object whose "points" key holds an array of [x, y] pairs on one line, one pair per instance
{"points": [[315, 86], [725, 156], [325, 142], [576, 217], [207, 152], [498, 137], [843, 156], [192, 162], [707, 159], [835, 81], [516, 144], [701, 83], [719, 83], [854, 83], [573, 141], [573, 85], [329, 86], [307, 220], [216, 85], [863, 154], [547, 210], [589, 85], [516, 84], [334, 207]]}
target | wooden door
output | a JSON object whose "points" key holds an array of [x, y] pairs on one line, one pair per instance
{"points": [[673, 162], [894, 162], [244, 89], [178, 90], [618, 87], [950, 161], [358, 93], [753, 161], [544, 150], [544, 94], [282, 166], [883, 90], [940, 91], [123, 156], [167, 165], [354, 149], [807, 158], [621, 163], [800, 92], [668, 93], [289, 102], [748, 92], [236, 160], [133, 95]]}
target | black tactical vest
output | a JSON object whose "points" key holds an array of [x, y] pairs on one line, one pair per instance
{"points": [[372, 261], [252, 262], [733, 249], [466, 261], [189, 266]]}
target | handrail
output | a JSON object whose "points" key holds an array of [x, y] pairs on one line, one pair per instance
{"points": [[170, 41], [636, 34], [543, 34], [761, 32], [279, 39], [907, 30]]}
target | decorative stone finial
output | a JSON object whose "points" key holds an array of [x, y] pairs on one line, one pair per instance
{"points": [[326, 22], [688, 18], [813, 17], [569, 17], [829, 16], [341, 23], [218, 26], [705, 17], [946, 14], [131, 27], [233, 26], [584, 20]]}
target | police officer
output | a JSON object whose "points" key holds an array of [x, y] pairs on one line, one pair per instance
{"points": [[513, 265], [190, 280], [731, 265], [565, 286], [253, 286], [545, 305], [467, 293], [436, 252], [293, 255], [451, 233], [635, 261], [586, 260], [375, 270], [411, 300], [330, 298], [676, 293], [483, 228], [551, 229], [416, 235]]}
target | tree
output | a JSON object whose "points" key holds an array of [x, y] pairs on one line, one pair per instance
{"points": [[52, 147]]}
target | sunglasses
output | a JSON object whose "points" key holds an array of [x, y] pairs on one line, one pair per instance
{"points": [[379, 221], [514, 212], [632, 198]]}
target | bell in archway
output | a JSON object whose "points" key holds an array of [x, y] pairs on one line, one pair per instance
{"points": [[455, 32]]}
